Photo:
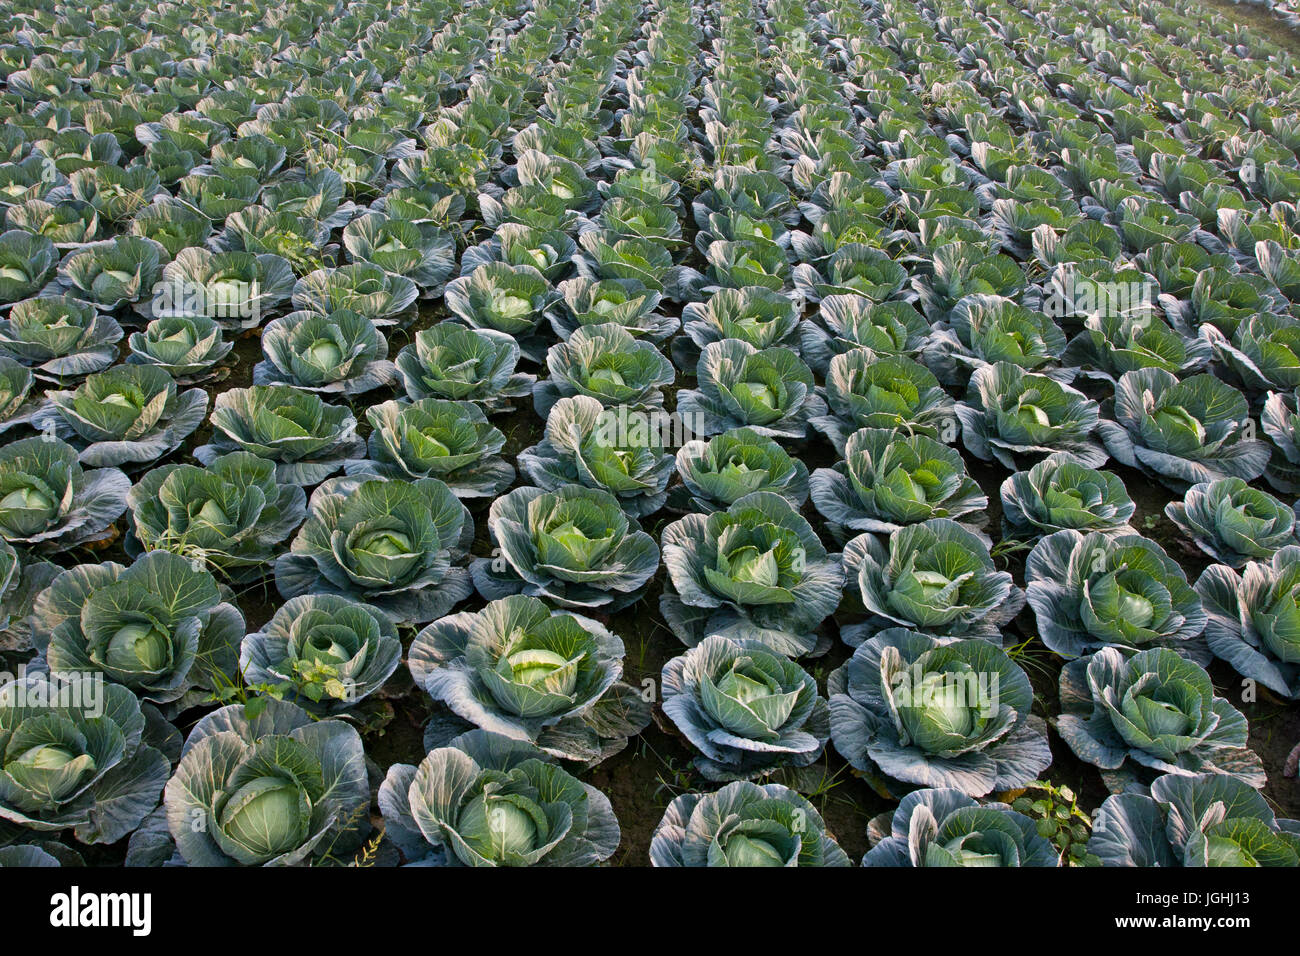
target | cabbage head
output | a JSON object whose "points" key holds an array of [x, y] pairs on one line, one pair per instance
{"points": [[1182, 432], [388, 542], [607, 363], [433, 438], [1233, 522], [1059, 494], [232, 514], [601, 448], [48, 502], [747, 709], [756, 570], [160, 627], [744, 824], [270, 788], [915, 711], [307, 438], [488, 800], [1254, 618], [452, 362], [341, 352], [719, 472], [935, 576], [575, 546], [770, 391], [519, 669], [1090, 591], [75, 757], [1135, 716], [330, 651], [944, 827], [1012, 414], [1203, 819], [127, 415], [889, 479]]}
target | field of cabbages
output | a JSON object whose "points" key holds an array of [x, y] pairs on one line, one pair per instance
{"points": [[714, 433]]}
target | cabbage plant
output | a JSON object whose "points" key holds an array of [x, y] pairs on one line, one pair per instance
{"points": [[231, 515], [319, 196], [488, 800], [341, 352], [747, 709], [116, 192], [173, 225], [237, 290], [1233, 522], [1203, 819], [549, 251], [27, 262], [764, 318], [867, 390], [324, 650], [1182, 432], [188, 348], [575, 546], [127, 415], [500, 297], [218, 194], [944, 827], [623, 302], [935, 576], [48, 502], [519, 669], [75, 757], [268, 788], [848, 322], [1094, 590], [449, 361], [916, 711], [609, 449], [1281, 423], [1059, 494], [391, 543], [1114, 342], [1135, 716], [22, 579], [607, 363], [1254, 618], [756, 571], [433, 438], [1223, 299], [17, 403], [306, 438], [769, 391], [852, 269], [1012, 414], [161, 627], [59, 337], [69, 224], [1263, 352], [114, 272], [362, 287], [985, 329], [261, 231], [889, 479], [603, 255], [719, 472], [422, 252], [744, 824]]}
